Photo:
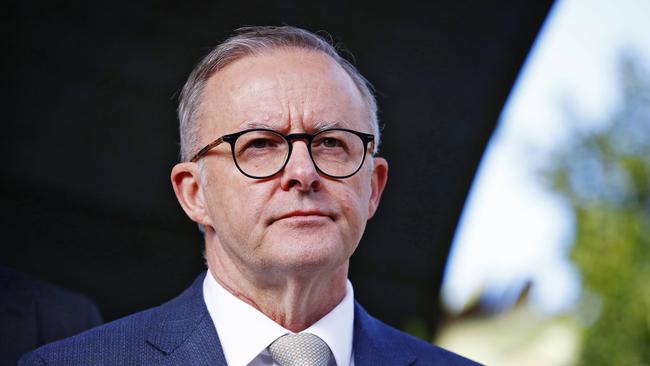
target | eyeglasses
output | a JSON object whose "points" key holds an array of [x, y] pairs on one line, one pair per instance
{"points": [[262, 153]]}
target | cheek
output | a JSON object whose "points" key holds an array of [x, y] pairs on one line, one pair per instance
{"points": [[354, 205], [244, 205], [230, 202]]}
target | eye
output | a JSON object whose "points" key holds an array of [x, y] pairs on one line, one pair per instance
{"points": [[331, 142], [261, 143]]}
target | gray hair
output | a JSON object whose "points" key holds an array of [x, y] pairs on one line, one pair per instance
{"points": [[254, 41]]}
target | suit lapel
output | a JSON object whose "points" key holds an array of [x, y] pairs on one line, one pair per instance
{"points": [[374, 344], [182, 331]]}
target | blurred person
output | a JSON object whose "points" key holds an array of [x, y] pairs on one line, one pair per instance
{"points": [[279, 137], [34, 312]]}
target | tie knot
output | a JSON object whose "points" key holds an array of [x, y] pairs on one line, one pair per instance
{"points": [[302, 349]]}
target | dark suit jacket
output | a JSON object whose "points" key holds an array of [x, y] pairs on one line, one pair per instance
{"points": [[181, 332], [33, 313]]}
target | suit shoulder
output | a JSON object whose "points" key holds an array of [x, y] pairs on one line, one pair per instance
{"points": [[119, 338], [138, 339], [427, 353]]}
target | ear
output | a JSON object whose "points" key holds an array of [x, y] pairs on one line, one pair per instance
{"points": [[186, 182], [378, 183]]}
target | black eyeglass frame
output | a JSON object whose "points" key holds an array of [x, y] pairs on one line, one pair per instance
{"points": [[366, 138]]}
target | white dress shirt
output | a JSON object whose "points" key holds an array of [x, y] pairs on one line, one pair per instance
{"points": [[245, 333]]}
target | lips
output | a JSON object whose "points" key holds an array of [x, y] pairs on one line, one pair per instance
{"points": [[301, 214]]}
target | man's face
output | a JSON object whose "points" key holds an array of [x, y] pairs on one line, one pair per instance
{"points": [[298, 220]]}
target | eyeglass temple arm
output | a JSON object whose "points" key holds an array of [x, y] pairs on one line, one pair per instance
{"points": [[205, 150], [371, 145]]}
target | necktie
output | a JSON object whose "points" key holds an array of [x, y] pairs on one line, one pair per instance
{"points": [[302, 349]]}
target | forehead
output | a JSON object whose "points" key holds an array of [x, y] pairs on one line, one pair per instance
{"points": [[284, 89]]}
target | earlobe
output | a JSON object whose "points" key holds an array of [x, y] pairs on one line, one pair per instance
{"points": [[185, 179], [378, 183]]}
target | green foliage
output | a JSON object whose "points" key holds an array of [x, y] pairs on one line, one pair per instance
{"points": [[605, 175]]}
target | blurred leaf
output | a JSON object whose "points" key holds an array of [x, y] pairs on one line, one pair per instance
{"points": [[605, 176]]}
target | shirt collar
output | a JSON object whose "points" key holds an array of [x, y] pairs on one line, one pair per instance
{"points": [[245, 332]]}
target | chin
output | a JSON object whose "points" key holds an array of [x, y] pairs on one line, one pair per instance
{"points": [[309, 255], [307, 245]]}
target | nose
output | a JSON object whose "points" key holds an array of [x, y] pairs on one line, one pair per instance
{"points": [[300, 172]]}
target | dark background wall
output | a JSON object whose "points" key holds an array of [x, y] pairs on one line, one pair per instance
{"points": [[89, 136]]}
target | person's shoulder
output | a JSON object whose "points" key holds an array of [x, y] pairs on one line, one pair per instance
{"points": [[105, 344], [56, 307], [427, 353], [34, 312], [387, 337], [132, 340]]}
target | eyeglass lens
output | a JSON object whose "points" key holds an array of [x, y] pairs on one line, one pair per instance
{"points": [[263, 153]]}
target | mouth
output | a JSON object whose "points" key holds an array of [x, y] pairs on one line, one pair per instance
{"points": [[303, 215]]}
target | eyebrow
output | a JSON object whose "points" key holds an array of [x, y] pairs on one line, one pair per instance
{"points": [[254, 124], [318, 126], [324, 125]]}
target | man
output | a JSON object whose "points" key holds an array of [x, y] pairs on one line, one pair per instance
{"points": [[278, 143]]}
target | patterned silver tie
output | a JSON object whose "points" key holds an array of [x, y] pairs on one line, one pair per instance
{"points": [[302, 349]]}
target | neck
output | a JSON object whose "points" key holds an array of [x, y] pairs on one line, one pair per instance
{"points": [[293, 300]]}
